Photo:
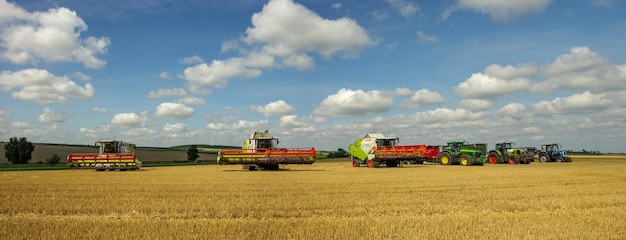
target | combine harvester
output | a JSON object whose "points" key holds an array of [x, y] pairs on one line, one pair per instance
{"points": [[506, 153], [374, 150], [110, 156], [261, 151]]}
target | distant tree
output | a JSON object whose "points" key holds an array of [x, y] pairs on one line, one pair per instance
{"points": [[338, 154], [192, 153], [54, 159], [19, 151]]}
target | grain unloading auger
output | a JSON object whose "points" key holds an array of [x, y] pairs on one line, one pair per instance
{"points": [[375, 149], [261, 151], [111, 155]]}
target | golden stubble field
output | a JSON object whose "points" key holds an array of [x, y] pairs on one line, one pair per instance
{"points": [[585, 199]]}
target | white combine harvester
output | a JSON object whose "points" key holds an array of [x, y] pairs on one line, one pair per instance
{"points": [[111, 155]]}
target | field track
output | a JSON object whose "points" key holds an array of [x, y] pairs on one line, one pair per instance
{"points": [[585, 199]]}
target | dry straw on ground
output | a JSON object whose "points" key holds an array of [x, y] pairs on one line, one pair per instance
{"points": [[585, 199]]}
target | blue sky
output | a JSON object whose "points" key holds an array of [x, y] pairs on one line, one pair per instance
{"points": [[316, 73]]}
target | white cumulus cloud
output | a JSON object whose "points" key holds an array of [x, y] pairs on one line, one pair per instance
{"points": [[161, 93], [174, 110], [497, 81], [347, 102], [52, 36], [499, 10], [49, 115], [423, 98], [41, 86], [582, 69], [283, 34], [130, 119], [277, 108]]}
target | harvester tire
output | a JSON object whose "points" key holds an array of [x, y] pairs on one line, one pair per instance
{"points": [[493, 157], [543, 157], [559, 159], [512, 160], [445, 158], [465, 160], [369, 163], [391, 164], [356, 163]]}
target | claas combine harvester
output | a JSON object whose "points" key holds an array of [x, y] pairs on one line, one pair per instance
{"points": [[375, 150], [261, 151], [111, 155]]}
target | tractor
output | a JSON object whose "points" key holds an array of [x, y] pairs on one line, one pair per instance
{"points": [[463, 153], [375, 150], [551, 153], [506, 153]]}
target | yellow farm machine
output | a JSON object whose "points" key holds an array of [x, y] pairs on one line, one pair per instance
{"points": [[111, 155], [261, 151]]}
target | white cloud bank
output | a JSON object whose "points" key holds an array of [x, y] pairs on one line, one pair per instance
{"points": [[51, 36], [283, 34]]}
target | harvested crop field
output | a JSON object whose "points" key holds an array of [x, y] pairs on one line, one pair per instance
{"points": [[585, 199]]}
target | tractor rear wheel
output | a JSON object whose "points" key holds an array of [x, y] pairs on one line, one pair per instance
{"points": [[512, 160], [543, 157], [466, 160], [493, 158], [445, 158]]}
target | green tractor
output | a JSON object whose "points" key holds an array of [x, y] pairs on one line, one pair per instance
{"points": [[463, 154], [506, 153]]}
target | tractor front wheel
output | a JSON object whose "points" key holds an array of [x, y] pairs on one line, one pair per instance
{"points": [[493, 158], [445, 158], [356, 163], [559, 159], [512, 160], [369, 163]]}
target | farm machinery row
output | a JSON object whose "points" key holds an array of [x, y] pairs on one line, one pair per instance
{"points": [[262, 151], [375, 150]]}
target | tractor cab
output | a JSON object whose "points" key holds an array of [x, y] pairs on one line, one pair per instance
{"points": [[454, 147], [503, 147]]}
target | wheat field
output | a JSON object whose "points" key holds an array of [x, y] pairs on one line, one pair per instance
{"points": [[585, 199]]}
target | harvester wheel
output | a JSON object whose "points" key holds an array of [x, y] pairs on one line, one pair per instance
{"points": [[465, 160], [559, 159], [391, 164], [445, 158], [493, 158], [356, 163], [369, 163], [543, 157], [512, 160]]}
